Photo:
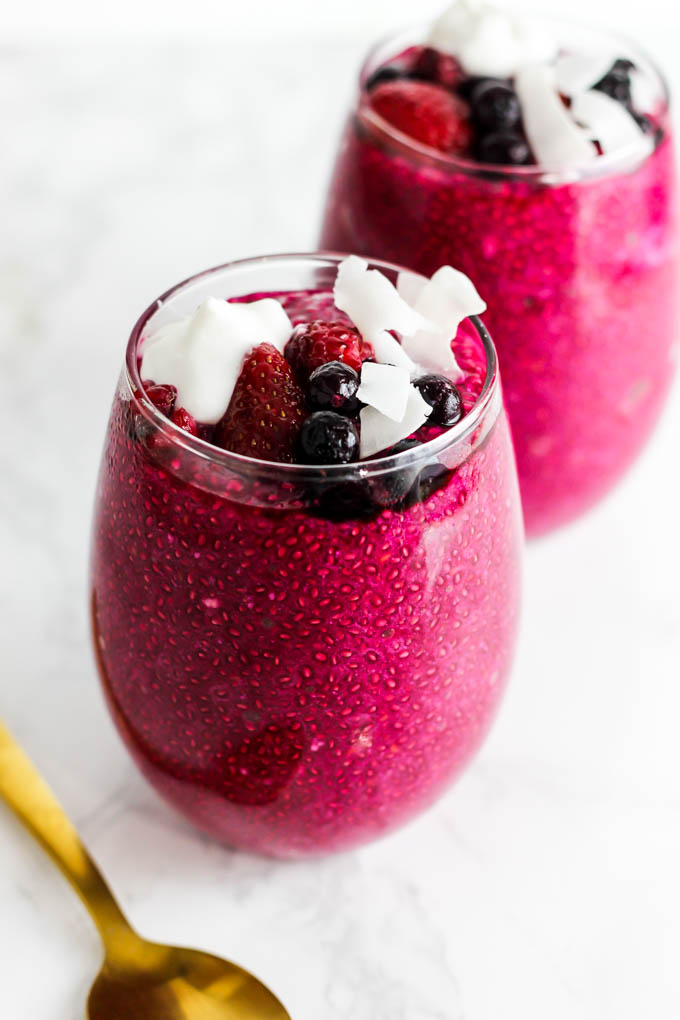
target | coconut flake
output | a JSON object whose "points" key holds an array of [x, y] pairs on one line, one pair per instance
{"points": [[446, 299], [576, 72], [386, 388], [644, 92], [489, 41], [555, 138], [372, 302], [389, 351], [202, 354], [607, 121], [378, 431]]}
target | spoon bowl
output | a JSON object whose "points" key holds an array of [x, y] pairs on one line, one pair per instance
{"points": [[139, 980]]}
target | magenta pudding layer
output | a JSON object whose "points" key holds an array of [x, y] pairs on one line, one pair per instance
{"points": [[294, 671], [580, 274]]}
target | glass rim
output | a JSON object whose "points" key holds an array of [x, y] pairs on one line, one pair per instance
{"points": [[603, 165], [243, 465]]}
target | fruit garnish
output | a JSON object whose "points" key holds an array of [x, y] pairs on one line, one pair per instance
{"points": [[495, 106], [161, 396], [316, 343], [184, 420], [444, 300], [616, 82], [611, 124], [427, 113], [266, 410], [374, 305], [386, 388], [333, 387], [443, 397], [555, 139], [328, 438], [439, 68], [378, 432], [504, 148], [201, 355]]}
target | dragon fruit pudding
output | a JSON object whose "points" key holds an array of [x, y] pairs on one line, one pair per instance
{"points": [[306, 548], [537, 157]]}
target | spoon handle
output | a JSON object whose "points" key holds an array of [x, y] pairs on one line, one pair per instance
{"points": [[28, 795]]}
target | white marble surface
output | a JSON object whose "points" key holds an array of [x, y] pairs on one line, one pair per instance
{"points": [[546, 884]]}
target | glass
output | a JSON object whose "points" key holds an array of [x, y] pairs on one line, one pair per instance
{"points": [[579, 269], [294, 672]]}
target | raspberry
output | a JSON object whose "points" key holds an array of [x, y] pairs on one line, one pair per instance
{"points": [[161, 396], [427, 113], [440, 68], [316, 343], [266, 410], [185, 421]]}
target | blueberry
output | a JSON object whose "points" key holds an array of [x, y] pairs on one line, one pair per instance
{"points": [[432, 477], [388, 72], [392, 487], [333, 387], [328, 438], [495, 106], [402, 446], [468, 85], [504, 148], [345, 501], [649, 126], [443, 397], [616, 82]]}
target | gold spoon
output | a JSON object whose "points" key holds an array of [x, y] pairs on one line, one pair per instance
{"points": [[139, 980]]}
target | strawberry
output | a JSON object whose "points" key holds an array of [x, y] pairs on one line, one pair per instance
{"points": [[427, 113], [316, 343], [266, 410]]}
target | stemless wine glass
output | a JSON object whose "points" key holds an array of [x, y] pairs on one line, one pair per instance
{"points": [[579, 269], [300, 658]]}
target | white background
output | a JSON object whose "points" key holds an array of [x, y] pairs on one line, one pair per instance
{"points": [[546, 883], [290, 19]]}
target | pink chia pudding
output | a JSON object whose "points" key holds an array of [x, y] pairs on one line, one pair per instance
{"points": [[301, 658], [578, 264]]}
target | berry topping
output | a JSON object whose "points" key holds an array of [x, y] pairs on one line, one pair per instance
{"points": [[504, 148], [616, 82], [437, 67], [328, 438], [443, 397], [316, 343], [162, 397], [388, 72], [185, 421], [333, 387], [495, 106], [266, 409], [427, 113]]}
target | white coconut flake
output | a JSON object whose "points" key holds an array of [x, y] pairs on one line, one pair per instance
{"points": [[386, 388], [446, 299], [389, 351], [378, 432], [410, 286], [489, 41], [536, 42], [371, 301], [607, 121], [202, 354], [576, 72], [645, 93], [556, 140]]}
